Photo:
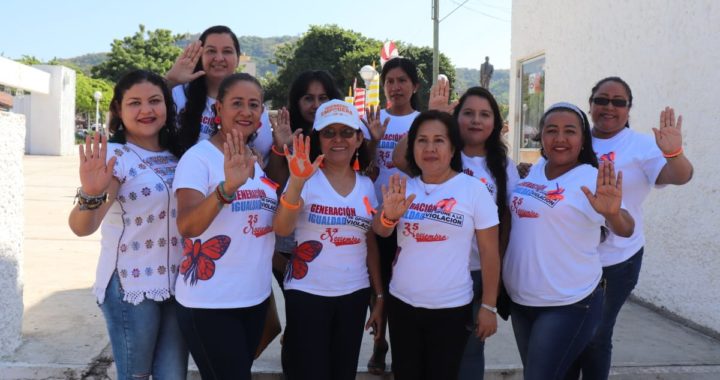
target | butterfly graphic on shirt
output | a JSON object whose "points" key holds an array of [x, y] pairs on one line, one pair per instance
{"points": [[304, 253], [557, 194], [447, 204], [199, 262], [608, 157]]}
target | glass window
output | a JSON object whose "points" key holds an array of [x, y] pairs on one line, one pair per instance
{"points": [[532, 100]]}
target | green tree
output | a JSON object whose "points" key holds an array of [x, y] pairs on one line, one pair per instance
{"points": [[155, 53], [29, 60], [342, 52], [85, 87]]}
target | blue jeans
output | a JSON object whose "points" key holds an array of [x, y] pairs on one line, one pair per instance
{"points": [[551, 338], [472, 366], [621, 279], [145, 338]]}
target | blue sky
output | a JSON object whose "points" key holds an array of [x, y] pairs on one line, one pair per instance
{"points": [[57, 28]]}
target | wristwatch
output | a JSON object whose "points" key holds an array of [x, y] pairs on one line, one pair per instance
{"points": [[489, 308]]}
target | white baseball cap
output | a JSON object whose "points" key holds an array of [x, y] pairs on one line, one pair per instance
{"points": [[337, 111]]}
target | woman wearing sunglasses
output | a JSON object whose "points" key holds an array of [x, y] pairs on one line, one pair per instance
{"points": [[645, 164], [328, 278]]}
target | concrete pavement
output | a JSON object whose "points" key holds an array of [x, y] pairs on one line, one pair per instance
{"points": [[64, 333]]}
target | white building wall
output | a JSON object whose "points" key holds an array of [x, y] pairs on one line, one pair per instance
{"points": [[668, 53], [12, 130], [51, 122]]}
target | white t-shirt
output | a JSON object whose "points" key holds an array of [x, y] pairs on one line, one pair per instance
{"points": [[477, 167], [331, 232], [397, 128], [232, 266], [641, 161], [139, 232], [430, 269], [262, 142], [552, 258]]}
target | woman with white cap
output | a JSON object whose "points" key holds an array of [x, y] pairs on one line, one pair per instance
{"points": [[330, 205]]}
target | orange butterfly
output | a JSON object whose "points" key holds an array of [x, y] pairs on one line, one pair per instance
{"points": [[199, 263], [304, 253]]}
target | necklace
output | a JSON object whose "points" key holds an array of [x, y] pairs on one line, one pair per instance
{"points": [[434, 187]]}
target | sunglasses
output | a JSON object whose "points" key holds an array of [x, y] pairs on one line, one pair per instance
{"points": [[346, 133], [606, 101]]}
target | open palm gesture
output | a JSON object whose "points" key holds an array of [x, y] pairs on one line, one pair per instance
{"points": [[282, 132], [440, 97], [299, 160], [376, 129], [181, 71], [608, 193], [95, 173], [238, 162], [669, 134], [394, 201]]}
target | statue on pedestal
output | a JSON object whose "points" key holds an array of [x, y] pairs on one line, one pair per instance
{"points": [[486, 72]]}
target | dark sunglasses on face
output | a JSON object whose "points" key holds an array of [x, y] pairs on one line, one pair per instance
{"points": [[329, 133], [606, 101]]}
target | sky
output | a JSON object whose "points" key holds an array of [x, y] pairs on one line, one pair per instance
{"points": [[64, 29]]}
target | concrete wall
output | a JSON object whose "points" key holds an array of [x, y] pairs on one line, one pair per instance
{"points": [[51, 117], [667, 52], [12, 130]]}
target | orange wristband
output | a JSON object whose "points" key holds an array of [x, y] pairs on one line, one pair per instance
{"points": [[674, 154], [385, 221], [287, 204]]}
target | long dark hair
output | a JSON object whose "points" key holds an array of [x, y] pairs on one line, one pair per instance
{"points": [[299, 88], [616, 80], [167, 136], [453, 135], [587, 154], [409, 68], [196, 93], [495, 148]]}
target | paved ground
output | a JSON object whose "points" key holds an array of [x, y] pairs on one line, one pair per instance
{"points": [[64, 333]]}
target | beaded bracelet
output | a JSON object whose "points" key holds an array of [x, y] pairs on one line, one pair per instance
{"points": [[385, 221], [287, 204], [674, 154], [220, 194], [89, 202]]}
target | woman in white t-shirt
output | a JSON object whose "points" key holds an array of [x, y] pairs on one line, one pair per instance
{"points": [[225, 208], [195, 79], [401, 82], [327, 282], [552, 268], [645, 164], [430, 302], [126, 185]]}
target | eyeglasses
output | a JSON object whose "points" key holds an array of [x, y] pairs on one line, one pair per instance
{"points": [[615, 102], [346, 133]]}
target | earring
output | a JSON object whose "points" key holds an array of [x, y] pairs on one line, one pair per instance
{"points": [[356, 163], [120, 127], [217, 120]]}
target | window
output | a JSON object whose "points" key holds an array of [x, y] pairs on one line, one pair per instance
{"points": [[532, 105]]}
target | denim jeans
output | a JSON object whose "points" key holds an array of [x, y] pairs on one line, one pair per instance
{"points": [[145, 338], [621, 279], [551, 338], [472, 366]]}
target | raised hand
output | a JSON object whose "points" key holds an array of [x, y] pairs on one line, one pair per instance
{"points": [[394, 201], [299, 160], [181, 71], [282, 133], [608, 193], [238, 162], [95, 173], [669, 135], [440, 97], [377, 129]]}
